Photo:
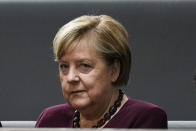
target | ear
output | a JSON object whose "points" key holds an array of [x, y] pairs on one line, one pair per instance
{"points": [[115, 70]]}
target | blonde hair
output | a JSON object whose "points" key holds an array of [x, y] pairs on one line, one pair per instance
{"points": [[111, 41]]}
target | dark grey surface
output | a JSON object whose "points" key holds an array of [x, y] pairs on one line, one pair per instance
{"points": [[163, 42]]}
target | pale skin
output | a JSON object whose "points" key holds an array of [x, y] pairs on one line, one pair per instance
{"points": [[86, 82]]}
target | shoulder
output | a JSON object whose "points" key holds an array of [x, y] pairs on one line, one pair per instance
{"points": [[55, 115], [146, 114], [62, 109], [142, 106], [139, 114]]}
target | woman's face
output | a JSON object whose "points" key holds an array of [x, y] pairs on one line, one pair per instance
{"points": [[85, 77]]}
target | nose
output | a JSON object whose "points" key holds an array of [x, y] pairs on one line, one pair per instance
{"points": [[72, 76]]}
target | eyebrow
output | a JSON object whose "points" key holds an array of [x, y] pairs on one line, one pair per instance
{"points": [[80, 60], [61, 61]]}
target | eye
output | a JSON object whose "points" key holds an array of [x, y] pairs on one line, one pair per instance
{"points": [[86, 65], [85, 68], [63, 67]]}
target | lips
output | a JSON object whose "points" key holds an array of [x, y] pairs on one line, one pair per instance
{"points": [[77, 92]]}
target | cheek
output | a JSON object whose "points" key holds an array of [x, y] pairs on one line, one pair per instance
{"points": [[65, 92], [96, 80], [62, 80], [88, 80], [60, 77], [63, 86]]}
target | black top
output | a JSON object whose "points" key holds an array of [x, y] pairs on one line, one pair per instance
{"points": [[0, 124]]}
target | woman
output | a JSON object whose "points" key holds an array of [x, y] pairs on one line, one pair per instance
{"points": [[94, 62]]}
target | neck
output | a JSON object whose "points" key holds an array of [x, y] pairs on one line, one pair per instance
{"points": [[93, 114]]}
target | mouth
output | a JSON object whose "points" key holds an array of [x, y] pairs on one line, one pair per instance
{"points": [[77, 92]]}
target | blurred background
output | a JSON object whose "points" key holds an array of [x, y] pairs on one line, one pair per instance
{"points": [[162, 34]]}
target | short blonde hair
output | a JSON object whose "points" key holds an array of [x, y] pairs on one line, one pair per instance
{"points": [[111, 41]]}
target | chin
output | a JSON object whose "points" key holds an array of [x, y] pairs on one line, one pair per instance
{"points": [[80, 104]]}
